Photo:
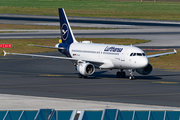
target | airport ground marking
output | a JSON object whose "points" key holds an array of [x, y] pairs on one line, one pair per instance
{"points": [[53, 75], [18, 72], [162, 82]]}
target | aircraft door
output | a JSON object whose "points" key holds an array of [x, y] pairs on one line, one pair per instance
{"points": [[99, 53], [123, 55]]}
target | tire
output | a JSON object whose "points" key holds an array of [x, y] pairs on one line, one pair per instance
{"points": [[85, 76], [80, 76], [118, 74], [123, 74], [131, 77]]}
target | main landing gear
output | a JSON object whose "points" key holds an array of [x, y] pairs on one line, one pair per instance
{"points": [[81, 76], [121, 74]]}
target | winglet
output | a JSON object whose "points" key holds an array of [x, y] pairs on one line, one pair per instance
{"points": [[4, 53], [175, 51], [30, 45]]}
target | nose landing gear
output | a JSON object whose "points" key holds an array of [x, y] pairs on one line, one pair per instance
{"points": [[131, 77]]}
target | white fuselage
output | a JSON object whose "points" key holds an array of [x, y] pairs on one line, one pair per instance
{"points": [[113, 56]]}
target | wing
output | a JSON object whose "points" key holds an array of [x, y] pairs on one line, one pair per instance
{"points": [[157, 55], [55, 57], [46, 46]]}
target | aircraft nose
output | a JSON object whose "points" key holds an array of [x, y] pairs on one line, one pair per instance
{"points": [[144, 62]]}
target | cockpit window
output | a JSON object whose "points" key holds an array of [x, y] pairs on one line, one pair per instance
{"points": [[134, 54], [137, 54]]}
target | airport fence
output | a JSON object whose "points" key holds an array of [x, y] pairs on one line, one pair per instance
{"points": [[106, 114]]}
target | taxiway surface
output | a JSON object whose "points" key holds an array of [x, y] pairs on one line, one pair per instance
{"points": [[166, 32], [169, 37], [58, 79]]}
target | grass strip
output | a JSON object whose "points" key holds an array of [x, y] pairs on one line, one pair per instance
{"points": [[26, 27], [21, 45], [33, 27], [95, 8], [117, 41], [166, 62]]}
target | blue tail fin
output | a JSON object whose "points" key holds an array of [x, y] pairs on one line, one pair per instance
{"points": [[66, 32]]}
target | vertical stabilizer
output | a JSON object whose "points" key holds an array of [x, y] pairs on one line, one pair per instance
{"points": [[66, 32]]}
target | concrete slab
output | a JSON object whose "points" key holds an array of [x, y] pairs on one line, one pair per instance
{"points": [[8, 101]]}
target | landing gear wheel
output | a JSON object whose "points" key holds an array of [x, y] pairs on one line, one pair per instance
{"points": [[85, 76], [80, 76], [123, 74], [118, 74], [131, 77]]}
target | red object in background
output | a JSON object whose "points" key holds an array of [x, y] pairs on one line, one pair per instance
{"points": [[1, 45], [7, 45]]}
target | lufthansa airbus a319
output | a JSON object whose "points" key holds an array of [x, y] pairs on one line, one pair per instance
{"points": [[88, 56]]}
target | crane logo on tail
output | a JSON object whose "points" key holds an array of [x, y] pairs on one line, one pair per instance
{"points": [[65, 31]]}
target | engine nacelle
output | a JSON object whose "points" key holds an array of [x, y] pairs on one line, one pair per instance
{"points": [[85, 69], [145, 71]]}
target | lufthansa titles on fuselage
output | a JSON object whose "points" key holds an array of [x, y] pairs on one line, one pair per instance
{"points": [[113, 49]]}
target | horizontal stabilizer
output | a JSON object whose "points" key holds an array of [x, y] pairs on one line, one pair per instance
{"points": [[46, 46], [4, 53], [56, 57]]}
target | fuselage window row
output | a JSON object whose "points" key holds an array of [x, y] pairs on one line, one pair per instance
{"points": [[83, 51]]}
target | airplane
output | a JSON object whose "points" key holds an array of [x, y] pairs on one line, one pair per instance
{"points": [[88, 56]]}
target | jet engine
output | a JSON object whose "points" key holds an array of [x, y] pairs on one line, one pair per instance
{"points": [[145, 71], [85, 69]]}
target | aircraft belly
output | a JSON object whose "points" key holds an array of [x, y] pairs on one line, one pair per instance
{"points": [[121, 65]]}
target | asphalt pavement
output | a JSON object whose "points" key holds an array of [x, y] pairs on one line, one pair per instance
{"points": [[45, 80], [59, 79]]}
